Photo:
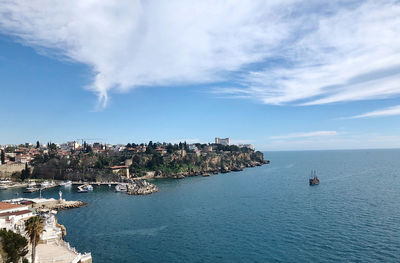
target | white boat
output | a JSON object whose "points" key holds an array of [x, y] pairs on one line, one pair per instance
{"points": [[31, 184], [3, 187], [66, 183], [121, 188], [45, 184], [88, 187], [85, 188]]}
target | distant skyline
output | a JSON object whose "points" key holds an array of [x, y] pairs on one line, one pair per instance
{"points": [[282, 75]]}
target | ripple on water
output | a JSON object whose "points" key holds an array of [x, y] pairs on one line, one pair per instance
{"points": [[263, 214]]}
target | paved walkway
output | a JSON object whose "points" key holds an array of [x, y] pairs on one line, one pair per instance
{"points": [[54, 253]]}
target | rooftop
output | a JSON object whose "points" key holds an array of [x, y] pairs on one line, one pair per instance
{"points": [[6, 206], [16, 213]]}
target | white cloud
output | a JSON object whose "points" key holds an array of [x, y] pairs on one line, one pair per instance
{"points": [[395, 110], [305, 135], [351, 55], [330, 52], [142, 43]]}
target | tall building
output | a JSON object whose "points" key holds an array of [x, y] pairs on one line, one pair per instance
{"points": [[223, 141]]}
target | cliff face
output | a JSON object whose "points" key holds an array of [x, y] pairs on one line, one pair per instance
{"points": [[177, 164], [213, 163]]}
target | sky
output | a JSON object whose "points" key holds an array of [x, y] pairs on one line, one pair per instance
{"points": [[282, 75]]}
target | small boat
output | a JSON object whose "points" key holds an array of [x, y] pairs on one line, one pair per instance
{"points": [[66, 183], [121, 188], [31, 190], [85, 188], [205, 175], [31, 184], [45, 184], [3, 187], [313, 178]]}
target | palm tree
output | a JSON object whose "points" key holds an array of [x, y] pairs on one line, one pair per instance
{"points": [[34, 227]]}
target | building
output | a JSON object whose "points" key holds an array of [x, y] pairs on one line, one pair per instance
{"points": [[161, 150], [223, 141], [12, 214], [250, 146], [119, 168]]}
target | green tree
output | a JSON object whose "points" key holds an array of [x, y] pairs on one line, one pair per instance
{"points": [[25, 174], [15, 245], [34, 227], [2, 157], [52, 146], [37, 145]]}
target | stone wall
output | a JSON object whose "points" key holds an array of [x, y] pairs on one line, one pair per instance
{"points": [[7, 170]]}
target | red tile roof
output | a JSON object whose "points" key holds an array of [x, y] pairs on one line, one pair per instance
{"points": [[6, 206], [16, 213]]}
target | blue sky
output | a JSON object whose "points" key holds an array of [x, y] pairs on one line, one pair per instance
{"points": [[285, 75]]}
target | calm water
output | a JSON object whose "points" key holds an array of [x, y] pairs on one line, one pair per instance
{"points": [[263, 214]]}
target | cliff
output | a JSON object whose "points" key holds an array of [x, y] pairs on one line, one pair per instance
{"points": [[174, 164], [212, 164]]}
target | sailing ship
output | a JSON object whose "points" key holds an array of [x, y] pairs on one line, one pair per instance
{"points": [[313, 178]]}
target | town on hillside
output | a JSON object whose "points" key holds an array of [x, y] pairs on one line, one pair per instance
{"points": [[81, 160]]}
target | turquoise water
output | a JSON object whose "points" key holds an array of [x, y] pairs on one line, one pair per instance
{"points": [[263, 214]]}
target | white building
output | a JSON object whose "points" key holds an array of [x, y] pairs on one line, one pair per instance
{"points": [[12, 214], [250, 146], [223, 141]]}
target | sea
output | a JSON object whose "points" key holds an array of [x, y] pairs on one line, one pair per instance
{"points": [[261, 214]]}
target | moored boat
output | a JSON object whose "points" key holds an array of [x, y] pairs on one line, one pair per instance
{"points": [[85, 188], [121, 188], [31, 190], [66, 183], [46, 184], [32, 184]]}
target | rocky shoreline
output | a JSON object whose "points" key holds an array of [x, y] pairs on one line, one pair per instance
{"points": [[58, 205], [208, 171], [141, 187]]}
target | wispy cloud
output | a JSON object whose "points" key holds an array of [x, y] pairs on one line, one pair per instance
{"points": [[351, 54], [277, 52], [304, 135], [378, 113], [145, 43]]}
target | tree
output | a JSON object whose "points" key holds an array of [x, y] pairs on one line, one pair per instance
{"points": [[15, 245], [25, 174], [34, 227], [52, 146], [37, 145], [2, 157]]}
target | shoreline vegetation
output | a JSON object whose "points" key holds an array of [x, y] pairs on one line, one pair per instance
{"points": [[99, 163]]}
